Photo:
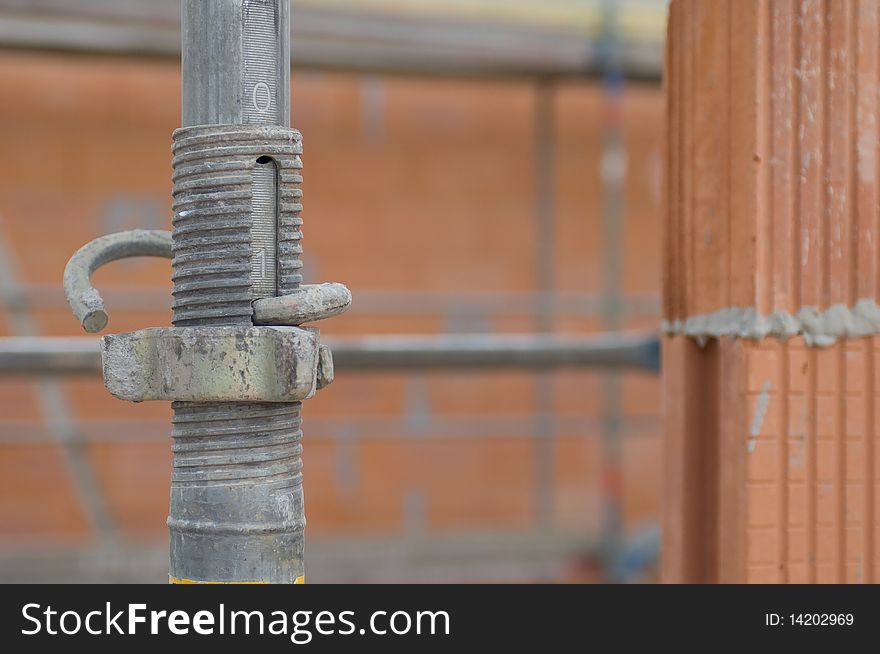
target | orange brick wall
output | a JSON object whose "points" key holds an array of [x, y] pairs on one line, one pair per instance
{"points": [[419, 195], [771, 203], [812, 480]]}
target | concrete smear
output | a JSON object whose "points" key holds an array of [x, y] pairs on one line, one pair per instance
{"points": [[818, 328]]}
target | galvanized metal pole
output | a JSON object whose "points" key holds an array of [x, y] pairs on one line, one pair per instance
{"points": [[635, 351], [236, 511], [544, 276], [235, 62], [613, 172]]}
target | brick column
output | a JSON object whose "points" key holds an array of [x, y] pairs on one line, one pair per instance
{"points": [[770, 288]]}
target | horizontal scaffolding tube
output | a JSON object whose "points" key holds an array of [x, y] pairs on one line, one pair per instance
{"points": [[351, 39], [638, 351]]}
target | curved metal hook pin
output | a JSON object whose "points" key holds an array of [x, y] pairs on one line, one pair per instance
{"points": [[310, 302], [83, 298]]}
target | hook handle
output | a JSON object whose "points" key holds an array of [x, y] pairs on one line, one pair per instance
{"points": [[83, 298]]}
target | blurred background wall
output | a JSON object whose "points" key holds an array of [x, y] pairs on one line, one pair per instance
{"points": [[448, 203]]}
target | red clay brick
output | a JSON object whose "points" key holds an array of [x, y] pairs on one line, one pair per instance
{"points": [[135, 478], [36, 503], [577, 461], [18, 400], [772, 211], [771, 194]]}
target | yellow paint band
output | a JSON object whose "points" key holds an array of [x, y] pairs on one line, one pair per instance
{"points": [[174, 580]]}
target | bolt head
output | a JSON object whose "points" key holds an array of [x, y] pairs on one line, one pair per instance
{"points": [[325, 366]]}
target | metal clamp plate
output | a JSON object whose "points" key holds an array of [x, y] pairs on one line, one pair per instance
{"points": [[212, 364]]}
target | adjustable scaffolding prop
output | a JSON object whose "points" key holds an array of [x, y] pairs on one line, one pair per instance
{"points": [[236, 364]]}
